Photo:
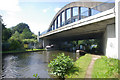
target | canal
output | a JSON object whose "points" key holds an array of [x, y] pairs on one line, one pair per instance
{"points": [[25, 65]]}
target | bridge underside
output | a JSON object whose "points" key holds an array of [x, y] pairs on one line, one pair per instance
{"points": [[91, 31], [103, 30]]}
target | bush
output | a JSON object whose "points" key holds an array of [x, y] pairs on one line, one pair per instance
{"points": [[61, 66]]}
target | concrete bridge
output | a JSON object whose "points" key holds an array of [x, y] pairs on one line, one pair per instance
{"points": [[85, 20]]}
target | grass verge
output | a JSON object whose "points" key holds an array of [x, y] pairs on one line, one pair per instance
{"points": [[106, 68], [21, 51], [82, 63], [34, 49]]}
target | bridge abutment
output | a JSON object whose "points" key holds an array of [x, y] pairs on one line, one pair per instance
{"points": [[117, 22], [45, 43], [110, 41]]}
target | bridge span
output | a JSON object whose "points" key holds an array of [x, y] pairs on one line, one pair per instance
{"points": [[90, 22]]}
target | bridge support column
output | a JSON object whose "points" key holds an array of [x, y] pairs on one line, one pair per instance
{"points": [[40, 43], [117, 21], [45, 43], [110, 41]]}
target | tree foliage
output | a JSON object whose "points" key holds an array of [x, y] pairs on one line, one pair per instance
{"points": [[61, 65], [15, 37], [20, 27], [6, 33], [15, 44], [26, 34], [91, 45], [26, 41]]}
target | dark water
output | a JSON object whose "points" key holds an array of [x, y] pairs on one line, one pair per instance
{"points": [[25, 65]]}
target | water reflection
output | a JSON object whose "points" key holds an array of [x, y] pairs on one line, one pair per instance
{"points": [[24, 65]]}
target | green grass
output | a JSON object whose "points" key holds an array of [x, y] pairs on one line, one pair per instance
{"points": [[34, 49], [27, 50], [82, 63], [105, 68]]}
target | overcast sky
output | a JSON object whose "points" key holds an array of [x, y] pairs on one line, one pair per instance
{"points": [[36, 13]]}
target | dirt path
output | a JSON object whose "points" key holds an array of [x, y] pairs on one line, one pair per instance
{"points": [[90, 67]]}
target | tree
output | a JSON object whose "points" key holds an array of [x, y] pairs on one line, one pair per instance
{"points": [[15, 41], [6, 33], [34, 36], [27, 41], [15, 36], [26, 34], [20, 27], [89, 43], [15, 44]]}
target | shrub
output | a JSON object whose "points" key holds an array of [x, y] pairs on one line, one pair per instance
{"points": [[61, 66]]}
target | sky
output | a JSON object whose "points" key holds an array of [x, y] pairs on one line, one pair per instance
{"points": [[36, 13]]}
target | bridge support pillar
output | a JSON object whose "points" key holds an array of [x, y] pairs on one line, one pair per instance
{"points": [[45, 43], [110, 41], [117, 21], [40, 43]]}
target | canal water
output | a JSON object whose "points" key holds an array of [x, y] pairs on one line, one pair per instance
{"points": [[25, 65]]}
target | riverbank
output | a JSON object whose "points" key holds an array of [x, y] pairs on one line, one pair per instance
{"points": [[82, 63], [106, 68], [102, 68], [22, 51]]}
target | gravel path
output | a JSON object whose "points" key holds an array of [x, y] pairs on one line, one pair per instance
{"points": [[90, 67]]}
